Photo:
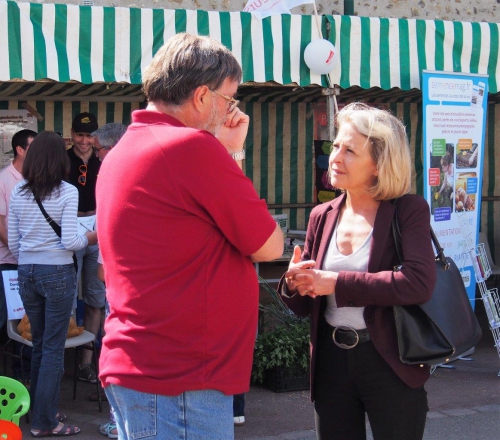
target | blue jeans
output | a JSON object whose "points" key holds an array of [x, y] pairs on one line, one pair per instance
{"points": [[239, 405], [192, 415], [93, 290], [47, 292]]}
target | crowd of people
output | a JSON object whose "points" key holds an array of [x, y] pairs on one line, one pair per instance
{"points": [[179, 228], [41, 197]]}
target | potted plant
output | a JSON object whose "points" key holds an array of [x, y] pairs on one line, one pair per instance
{"points": [[281, 357]]}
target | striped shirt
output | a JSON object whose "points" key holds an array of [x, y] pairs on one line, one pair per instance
{"points": [[31, 239]]}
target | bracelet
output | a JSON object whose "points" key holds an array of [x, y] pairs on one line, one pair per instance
{"points": [[240, 155]]}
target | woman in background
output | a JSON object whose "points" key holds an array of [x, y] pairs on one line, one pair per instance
{"points": [[47, 277], [346, 281]]}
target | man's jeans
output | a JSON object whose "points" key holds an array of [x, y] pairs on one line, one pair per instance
{"points": [[93, 291], [47, 292], [193, 415], [239, 405]]}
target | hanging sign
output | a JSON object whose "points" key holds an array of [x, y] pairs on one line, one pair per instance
{"points": [[324, 190], [12, 121], [454, 107], [15, 307]]}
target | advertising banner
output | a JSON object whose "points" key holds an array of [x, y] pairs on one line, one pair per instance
{"points": [[324, 190], [15, 307], [454, 107], [11, 121]]}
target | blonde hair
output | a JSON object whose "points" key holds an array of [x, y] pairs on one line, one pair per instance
{"points": [[388, 146]]}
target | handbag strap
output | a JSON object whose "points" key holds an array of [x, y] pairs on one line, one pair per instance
{"points": [[52, 223], [396, 233]]}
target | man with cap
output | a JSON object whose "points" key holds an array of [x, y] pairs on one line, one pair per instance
{"points": [[83, 174]]}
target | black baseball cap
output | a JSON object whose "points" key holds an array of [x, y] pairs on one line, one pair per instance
{"points": [[84, 123]]}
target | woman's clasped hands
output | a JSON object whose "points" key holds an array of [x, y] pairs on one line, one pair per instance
{"points": [[303, 279]]}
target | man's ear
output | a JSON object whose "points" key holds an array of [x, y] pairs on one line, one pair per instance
{"points": [[20, 151], [201, 98]]}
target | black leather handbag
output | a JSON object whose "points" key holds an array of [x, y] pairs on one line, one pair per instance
{"points": [[443, 328]]}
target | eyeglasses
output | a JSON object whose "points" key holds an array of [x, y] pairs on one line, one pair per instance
{"points": [[82, 179], [232, 102], [96, 149]]}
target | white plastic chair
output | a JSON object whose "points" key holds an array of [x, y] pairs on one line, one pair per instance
{"points": [[75, 342]]}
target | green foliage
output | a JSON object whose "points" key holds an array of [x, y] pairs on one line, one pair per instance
{"points": [[283, 340], [287, 345], [276, 310]]}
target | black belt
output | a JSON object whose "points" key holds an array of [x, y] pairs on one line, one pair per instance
{"points": [[346, 337]]}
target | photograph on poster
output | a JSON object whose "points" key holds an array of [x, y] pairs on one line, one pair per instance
{"points": [[466, 188], [467, 153], [477, 95], [441, 178]]}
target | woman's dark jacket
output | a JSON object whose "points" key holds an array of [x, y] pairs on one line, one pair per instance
{"points": [[380, 288]]}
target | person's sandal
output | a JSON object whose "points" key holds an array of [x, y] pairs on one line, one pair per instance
{"points": [[65, 430], [108, 428]]}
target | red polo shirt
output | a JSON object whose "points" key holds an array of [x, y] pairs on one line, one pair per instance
{"points": [[177, 221]]}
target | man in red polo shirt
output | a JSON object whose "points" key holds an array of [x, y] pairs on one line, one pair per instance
{"points": [[179, 226]]}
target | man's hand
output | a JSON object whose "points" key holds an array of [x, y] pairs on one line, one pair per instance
{"points": [[234, 131]]}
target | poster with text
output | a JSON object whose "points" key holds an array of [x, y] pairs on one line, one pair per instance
{"points": [[454, 107], [12, 121], [324, 190]]}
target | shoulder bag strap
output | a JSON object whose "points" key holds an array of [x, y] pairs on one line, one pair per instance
{"points": [[396, 233], [52, 223], [55, 227]]}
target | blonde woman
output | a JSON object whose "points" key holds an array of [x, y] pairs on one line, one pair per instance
{"points": [[344, 280]]}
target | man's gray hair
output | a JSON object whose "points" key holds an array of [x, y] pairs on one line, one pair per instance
{"points": [[108, 135], [184, 63]]}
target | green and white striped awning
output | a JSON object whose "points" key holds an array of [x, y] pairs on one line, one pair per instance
{"points": [[103, 44], [386, 53], [94, 44]]}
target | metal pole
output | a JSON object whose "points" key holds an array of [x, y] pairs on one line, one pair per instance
{"points": [[331, 108]]}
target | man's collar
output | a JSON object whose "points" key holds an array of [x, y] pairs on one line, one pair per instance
{"points": [[18, 165]]}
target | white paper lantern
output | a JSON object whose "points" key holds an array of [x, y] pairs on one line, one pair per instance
{"points": [[320, 56]]}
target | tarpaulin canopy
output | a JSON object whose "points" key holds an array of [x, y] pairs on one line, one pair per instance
{"points": [[105, 44]]}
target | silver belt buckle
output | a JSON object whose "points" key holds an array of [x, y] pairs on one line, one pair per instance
{"points": [[345, 346]]}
